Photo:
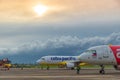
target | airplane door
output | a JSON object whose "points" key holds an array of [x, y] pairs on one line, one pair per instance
{"points": [[105, 55]]}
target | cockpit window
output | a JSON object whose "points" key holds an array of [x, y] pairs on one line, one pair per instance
{"points": [[91, 51], [43, 58]]}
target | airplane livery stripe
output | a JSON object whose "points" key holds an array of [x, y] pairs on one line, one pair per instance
{"points": [[116, 52]]}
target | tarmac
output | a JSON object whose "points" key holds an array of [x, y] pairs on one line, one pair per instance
{"points": [[58, 74]]}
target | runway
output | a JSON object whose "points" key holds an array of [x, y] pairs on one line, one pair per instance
{"points": [[58, 74]]}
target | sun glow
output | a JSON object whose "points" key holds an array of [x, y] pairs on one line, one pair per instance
{"points": [[40, 9]]}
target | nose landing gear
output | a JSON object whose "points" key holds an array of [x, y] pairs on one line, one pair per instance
{"points": [[102, 71]]}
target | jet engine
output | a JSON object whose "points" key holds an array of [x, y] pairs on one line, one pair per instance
{"points": [[70, 65], [117, 67]]}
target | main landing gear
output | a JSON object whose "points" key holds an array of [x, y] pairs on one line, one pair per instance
{"points": [[102, 71]]}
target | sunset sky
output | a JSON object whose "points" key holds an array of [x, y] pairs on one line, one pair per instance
{"points": [[20, 23], [30, 29]]}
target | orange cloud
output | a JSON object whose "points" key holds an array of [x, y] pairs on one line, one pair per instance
{"points": [[21, 10]]}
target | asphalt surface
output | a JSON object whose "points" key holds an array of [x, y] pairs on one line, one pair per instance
{"points": [[58, 74]]}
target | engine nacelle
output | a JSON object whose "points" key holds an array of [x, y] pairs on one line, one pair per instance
{"points": [[70, 65], [117, 67]]}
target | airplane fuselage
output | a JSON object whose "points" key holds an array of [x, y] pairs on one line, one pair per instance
{"points": [[57, 59], [103, 54]]}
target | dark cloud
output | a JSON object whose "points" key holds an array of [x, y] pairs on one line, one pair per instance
{"points": [[66, 45]]}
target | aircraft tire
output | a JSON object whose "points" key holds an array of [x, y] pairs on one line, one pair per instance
{"points": [[102, 72]]}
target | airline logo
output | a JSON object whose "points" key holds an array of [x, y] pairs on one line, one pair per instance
{"points": [[118, 53], [63, 58]]}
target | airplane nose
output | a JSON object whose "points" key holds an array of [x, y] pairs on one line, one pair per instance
{"points": [[38, 61], [83, 57]]}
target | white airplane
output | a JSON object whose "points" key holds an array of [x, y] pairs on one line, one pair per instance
{"points": [[66, 61], [102, 55]]}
